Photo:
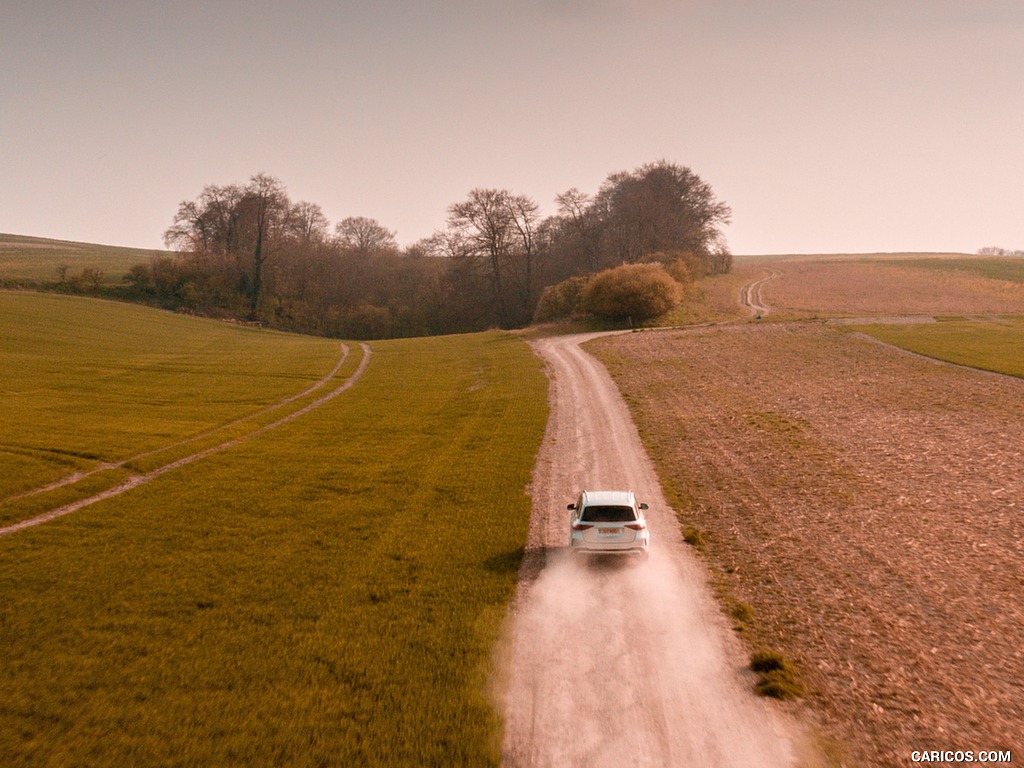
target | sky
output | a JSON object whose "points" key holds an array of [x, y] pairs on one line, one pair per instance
{"points": [[827, 126]]}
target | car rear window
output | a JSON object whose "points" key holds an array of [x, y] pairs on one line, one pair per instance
{"points": [[607, 514]]}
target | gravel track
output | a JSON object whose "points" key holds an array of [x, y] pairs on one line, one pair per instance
{"points": [[620, 665]]}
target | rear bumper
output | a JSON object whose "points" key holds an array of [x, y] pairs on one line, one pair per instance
{"points": [[637, 551]]}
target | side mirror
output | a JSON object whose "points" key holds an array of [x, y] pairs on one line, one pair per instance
{"points": [[644, 506], [571, 506]]}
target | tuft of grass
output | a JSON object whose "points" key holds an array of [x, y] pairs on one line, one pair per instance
{"points": [[768, 661], [780, 685], [695, 538], [777, 677], [742, 613]]}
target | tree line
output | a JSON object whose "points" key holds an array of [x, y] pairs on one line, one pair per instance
{"points": [[250, 252], [992, 250]]}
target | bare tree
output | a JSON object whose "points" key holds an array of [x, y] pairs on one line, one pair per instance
{"points": [[660, 207], [307, 223], [481, 224], [992, 250], [364, 236], [234, 228], [498, 233], [574, 229], [523, 220], [573, 204], [208, 226], [266, 207]]}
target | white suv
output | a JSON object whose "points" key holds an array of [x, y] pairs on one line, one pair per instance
{"points": [[608, 522]]}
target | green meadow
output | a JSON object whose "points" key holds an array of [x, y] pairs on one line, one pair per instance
{"points": [[1008, 268], [992, 345], [37, 259], [88, 382], [329, 592]]}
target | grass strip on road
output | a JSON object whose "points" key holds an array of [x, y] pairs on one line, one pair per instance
{"points": [[328, 593]]}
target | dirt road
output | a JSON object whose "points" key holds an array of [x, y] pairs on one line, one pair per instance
{"points": [[617, 666], [751, 295]]}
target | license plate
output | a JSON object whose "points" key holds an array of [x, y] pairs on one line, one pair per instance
{"points": [[608, 531]]}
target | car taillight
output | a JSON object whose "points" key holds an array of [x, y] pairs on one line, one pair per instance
{"points": [[636, 526], [578, 526]]}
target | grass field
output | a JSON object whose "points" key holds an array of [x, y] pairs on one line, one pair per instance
{"points": [[37, 259], [992, 345], [1008, 268], [88, 382], [327, 593]]}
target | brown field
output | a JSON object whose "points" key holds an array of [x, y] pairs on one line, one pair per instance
{"points": [[886, 256], [839, 287], [865, 505]]}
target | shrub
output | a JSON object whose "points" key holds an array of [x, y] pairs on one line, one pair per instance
{"points": [[92, 278], [140, 279], [561, 300], [683, 266], [635, 291], [367, 321]]}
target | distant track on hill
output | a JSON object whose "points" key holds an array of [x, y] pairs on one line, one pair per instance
{"points": [[751, 295], [138, 480]]}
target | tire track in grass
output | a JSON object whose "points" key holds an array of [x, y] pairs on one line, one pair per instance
{"points": [[138, 480], [104, 466]]}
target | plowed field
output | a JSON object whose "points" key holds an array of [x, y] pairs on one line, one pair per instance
{"points": [[891, 287], [866, 504]]}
